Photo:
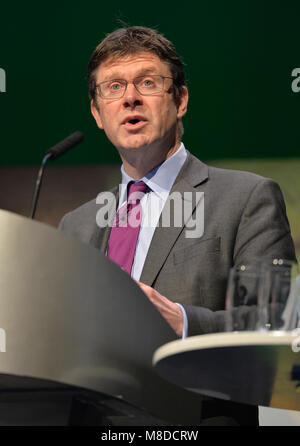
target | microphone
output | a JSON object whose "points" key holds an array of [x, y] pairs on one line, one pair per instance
{"points": [[64, 145], [52, 154]]}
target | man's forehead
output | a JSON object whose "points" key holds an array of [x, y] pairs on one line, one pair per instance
{"points": [[138, 62]]}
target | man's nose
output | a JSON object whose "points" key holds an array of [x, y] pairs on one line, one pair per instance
{"points": [[131, 96]]}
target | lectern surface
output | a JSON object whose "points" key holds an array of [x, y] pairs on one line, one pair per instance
{"points": [[248, 367]]}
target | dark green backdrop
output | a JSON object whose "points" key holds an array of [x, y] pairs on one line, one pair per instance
{"points": [[239, 57]]}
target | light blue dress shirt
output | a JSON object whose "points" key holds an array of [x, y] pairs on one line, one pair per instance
{"points": [[160, 181]]}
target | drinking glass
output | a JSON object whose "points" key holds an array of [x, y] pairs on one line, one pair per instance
{"points": [[242, 298], [280, 294], [263, 296]]}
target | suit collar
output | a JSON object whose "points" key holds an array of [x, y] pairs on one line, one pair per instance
{"points": [[193, 171]]}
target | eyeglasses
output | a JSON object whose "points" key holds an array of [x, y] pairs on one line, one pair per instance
{"points": [[145, 85]]}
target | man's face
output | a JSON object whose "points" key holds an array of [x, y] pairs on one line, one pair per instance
{"points": [[157, 115]]}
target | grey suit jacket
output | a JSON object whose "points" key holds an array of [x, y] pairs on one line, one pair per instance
{"points": [[244, 221]]}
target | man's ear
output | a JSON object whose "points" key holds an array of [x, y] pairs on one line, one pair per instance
{"points": [[96, 114], [183, 102]]}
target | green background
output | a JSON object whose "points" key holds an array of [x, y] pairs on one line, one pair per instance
{"points": [[239, 57]]}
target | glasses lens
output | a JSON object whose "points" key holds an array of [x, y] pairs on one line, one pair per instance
{"points": [[149, 84], [112, 89]]}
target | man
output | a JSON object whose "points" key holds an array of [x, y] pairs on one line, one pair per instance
{"points": [[138, 97]]}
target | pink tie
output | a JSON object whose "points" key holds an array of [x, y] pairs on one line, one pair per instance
{"points": [[125, 231]]}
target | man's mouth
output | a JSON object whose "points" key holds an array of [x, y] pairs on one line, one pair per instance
{"points": [[134, 122]]}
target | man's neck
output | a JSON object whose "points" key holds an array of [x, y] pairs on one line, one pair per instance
{"points": [[137, 163]]}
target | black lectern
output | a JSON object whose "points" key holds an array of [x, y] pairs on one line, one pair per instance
{"points": [[78, 336]]}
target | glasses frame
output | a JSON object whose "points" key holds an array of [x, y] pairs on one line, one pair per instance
{"points": [[98, 89]]}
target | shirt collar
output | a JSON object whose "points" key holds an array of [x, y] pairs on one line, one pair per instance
{"points": [[161, 179]]}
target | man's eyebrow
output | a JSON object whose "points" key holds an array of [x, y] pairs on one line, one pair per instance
{"points": [[148, 70], [116, 74]]}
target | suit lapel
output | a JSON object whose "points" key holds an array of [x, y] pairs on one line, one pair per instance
{"points": [[99, 237], [193, 173]]}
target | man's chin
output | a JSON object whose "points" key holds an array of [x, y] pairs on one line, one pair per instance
{"points": [[134, 145]]}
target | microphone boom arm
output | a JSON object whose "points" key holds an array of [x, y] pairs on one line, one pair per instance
{"points": [[53, 153], [38, 185]]}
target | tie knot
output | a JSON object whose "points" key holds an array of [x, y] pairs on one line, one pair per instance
{"points": [[136, 191], [138, 186]]}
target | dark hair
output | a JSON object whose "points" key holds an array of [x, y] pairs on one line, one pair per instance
{"points": [[131, 40]]}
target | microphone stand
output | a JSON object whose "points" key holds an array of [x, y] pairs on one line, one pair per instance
{"points": [[38, 185], [53, 153]]}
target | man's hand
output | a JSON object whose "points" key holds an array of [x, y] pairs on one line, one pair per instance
{"points": [[169, 310]]}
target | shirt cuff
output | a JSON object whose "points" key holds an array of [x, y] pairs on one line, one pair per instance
{"points": [[185, 322]]}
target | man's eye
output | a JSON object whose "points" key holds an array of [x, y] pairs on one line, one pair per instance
{"points": [[115, 86], [148, 82]]}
